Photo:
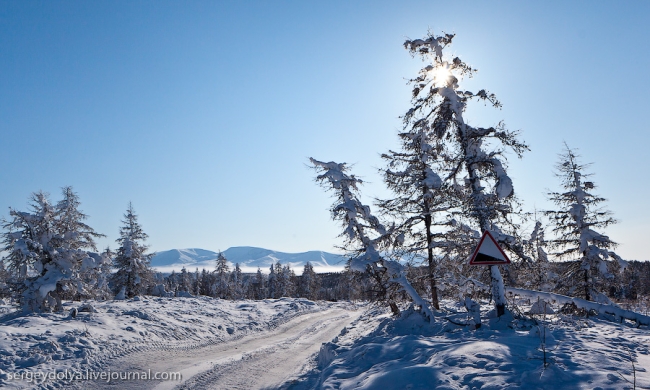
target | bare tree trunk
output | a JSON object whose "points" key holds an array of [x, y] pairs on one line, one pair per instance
{"points": [[498, 290], [394, 308], [57, 294], [432, 265]]}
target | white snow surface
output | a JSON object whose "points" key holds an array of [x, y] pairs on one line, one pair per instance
{"points": [[55, 342], [379, 352], [299, 344], [249, 259]]}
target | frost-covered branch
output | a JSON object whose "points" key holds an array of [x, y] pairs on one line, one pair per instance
{"points": [[362, 228]]}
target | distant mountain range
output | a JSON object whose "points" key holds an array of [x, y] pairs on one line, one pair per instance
{"points": [[249, 259]]}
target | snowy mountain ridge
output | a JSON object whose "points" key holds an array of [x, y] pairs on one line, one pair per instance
{"points": [[249, 259]]}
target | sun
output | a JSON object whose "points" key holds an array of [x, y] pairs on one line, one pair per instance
{"points": [[441, 73]]}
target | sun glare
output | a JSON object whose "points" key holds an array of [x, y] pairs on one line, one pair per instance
{"points": [[441, 74]]}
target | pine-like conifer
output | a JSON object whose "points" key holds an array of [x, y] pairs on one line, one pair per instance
{"points": [[578, 224], [134, 275]]}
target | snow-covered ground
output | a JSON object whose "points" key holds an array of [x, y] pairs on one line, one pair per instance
{"points": [[117, 332], [378, 352], [299, 344]]}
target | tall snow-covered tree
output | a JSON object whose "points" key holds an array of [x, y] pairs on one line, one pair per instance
{"points": [[74, 233], [365, 236], [578, 225], [134, 275], [469, 159], [27, 244], [47, 249], [222, 276], [420, 204], [76, 237]]}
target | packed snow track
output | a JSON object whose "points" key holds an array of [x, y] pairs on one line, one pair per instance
{"points": [[256, 361]]}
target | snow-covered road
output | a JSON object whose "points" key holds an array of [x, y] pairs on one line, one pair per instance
{"points": [[260, 360]]}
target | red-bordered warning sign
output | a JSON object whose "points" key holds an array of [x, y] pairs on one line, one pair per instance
{"points": [[488, 252]]}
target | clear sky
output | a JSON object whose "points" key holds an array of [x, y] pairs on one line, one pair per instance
{"points": [[204, 113]]}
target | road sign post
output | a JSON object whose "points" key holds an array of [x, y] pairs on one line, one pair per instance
{"points": [[488, 252]]}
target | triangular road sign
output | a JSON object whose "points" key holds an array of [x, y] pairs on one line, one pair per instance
{"points": [[488, 252]]}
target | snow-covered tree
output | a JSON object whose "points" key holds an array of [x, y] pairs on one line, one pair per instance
{"points": [[95, 274], [184, 283], [364, 235], [420, 205], [272, 283], [205, 283], [75, 237], [282, 281], [353, 285], [237, 283], [222, 274], [172, 282], [469, 159], [258, 288], [537, 274], [578, 225], [47, 249], [74, 233], [134, 274], [196, 283], [309, 283], [26, 242], [289, 281], [5, 281]]}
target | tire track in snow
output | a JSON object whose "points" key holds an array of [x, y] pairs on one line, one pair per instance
{"points": [[274, 364], [254, 361]]}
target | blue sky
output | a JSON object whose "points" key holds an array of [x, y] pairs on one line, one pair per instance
{"points": [[203, 114]]}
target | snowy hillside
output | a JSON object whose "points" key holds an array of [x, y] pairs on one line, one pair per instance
{"points": [[249, 259], [182, 256]]}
